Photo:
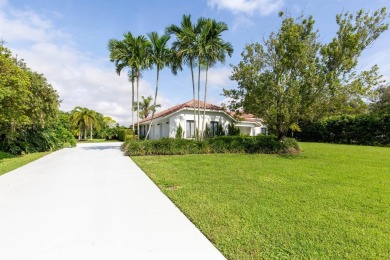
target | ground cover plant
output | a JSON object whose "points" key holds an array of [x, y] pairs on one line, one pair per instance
{"points": [[330, 201], [219, 144], [9, 162]]}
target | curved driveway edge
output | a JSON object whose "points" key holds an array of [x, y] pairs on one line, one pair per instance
{"points": [[91, 202]]}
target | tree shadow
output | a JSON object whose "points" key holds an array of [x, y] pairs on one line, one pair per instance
{"points": [[111, 147]]}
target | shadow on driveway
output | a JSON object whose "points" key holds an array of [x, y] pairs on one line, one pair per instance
{"points": [[101, 147]]}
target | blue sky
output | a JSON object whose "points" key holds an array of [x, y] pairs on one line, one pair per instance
{"points": [[67, 41]]}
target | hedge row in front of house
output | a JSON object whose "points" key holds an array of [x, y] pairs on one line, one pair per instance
{"points": [[221, 144]]}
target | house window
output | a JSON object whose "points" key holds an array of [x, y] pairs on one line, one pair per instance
{"points": [[190, 129], [263, 130], [213, 128]]}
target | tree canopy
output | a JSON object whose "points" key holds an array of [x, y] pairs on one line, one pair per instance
{"points": [[293, 76], [28, 109]]}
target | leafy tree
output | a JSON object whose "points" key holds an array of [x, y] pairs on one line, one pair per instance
{"points": [[160, 56], [381, 105], [293, 76], [146, 107], [28, 109]]}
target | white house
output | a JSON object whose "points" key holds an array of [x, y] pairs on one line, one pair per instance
{"points": [[166, 123]]}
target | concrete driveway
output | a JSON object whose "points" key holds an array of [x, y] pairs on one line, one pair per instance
{"points": [[91, 202]]}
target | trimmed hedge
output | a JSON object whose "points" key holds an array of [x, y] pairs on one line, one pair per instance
{"points": [[364, 130], [220, 144]]}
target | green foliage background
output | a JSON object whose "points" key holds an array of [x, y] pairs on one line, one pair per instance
{"points": [[29, 117]]}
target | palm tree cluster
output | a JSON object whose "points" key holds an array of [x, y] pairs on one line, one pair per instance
{"points": [[196, 45], [84, 120]]}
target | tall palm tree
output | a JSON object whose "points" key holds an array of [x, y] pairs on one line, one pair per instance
{"points": [[122, 53], [214, 50], [132, 52], [185, 47], [146, 107], [160, 56], [141, 60]]}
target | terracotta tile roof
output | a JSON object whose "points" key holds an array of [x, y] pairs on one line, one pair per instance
{"points": [[188, 104], [245, 117]]}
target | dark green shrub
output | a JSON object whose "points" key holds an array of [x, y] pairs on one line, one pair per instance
{"points": [[232, 130], [179, 132], [364, 129], [220, 131], [221, 144]]}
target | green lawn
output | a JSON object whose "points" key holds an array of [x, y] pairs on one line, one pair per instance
{"points": [[9, 162], [330, 201]]}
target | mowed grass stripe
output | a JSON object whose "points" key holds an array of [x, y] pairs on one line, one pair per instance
{"points": [[330, 201], [9, 162]]}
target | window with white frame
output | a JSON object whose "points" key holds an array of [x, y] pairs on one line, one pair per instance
{"points": [[190, 129]]}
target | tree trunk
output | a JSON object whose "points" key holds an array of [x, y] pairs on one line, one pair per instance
{"points": [[91, 131], [193, 92], [205, 96], [80, 131], [138, 75], [155, 103], [132, 98], [199, 133], [85, 132]]}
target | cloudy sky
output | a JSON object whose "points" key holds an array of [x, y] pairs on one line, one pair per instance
{"points": [[66, 40]]}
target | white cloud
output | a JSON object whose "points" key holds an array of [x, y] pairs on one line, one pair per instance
{"points": [[219, 77], [80, 79], [248, 7]]}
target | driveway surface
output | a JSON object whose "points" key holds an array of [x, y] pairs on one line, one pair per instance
{"points": [[91, 202]]}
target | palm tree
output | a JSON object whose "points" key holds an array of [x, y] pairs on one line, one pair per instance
{"points": [[122, 53], [132, 52], [160, 56], [214, 49], [185, 47], [146, 107], [79, 120], [91, 119], [140, 61]]}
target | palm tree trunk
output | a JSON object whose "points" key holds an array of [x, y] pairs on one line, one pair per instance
{"points": [[193, 92], [85, 132], [205, 96], [138, 75], [199, 134], [155, 103], [91, 132], [132, 97], [80, 131]]}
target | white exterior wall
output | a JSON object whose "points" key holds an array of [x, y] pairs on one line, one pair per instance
{"points": [[184, 115], [167, 126]]}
